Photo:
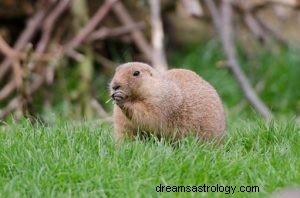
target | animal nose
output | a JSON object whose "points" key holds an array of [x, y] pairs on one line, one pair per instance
{"points": [[116, 87]]}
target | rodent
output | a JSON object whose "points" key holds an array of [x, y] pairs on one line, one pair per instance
{"points": [[173, 103]]}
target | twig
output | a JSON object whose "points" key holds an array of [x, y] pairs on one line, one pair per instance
{"points": [[98, 107], [275, 33], [192, 7], [215, 14], [107, 64], [159, 60], [49, 23], [136, 34], [104, 33], [30, 30], [226, 36], [14, 58], [233, 65], [47, 29], [6, 49], [292, 3], [41, 47], [75, 55], [255, 27], [21, 101], [12, 105], [7, 89], [95, 20], [261, 29]]}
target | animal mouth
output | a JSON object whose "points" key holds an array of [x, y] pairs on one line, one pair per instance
{"points": [[118, 96]]}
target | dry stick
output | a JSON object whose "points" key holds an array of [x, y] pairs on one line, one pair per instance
{"points": [[19, 101], [51, 19], [225, 31], [136, 34], [106, 63], [294, 3], [96, 19], [49, 23], [6, 49], [30, 30], [77, 40], [12, 105], [255, 27], [215, 14], [47, 28], [193, 8], [275, 33], [7, 89], [89, 27], [104, 33], [98, 107], [81, 36], [259, 28], [42, 45], [13, 57], [159, 60]]}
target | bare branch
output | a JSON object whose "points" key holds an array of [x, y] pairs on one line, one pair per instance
{"points": [[273, 32], [7, 89], [14, 58], [6, 49], [158, 54], [226, 36], [30, 30], [20, 101], [192, 7], [12, 105], [104, 33], [98, 107], [95, 20], [255, 27], [136, 34], [49, 23], [215, 14], [47, 29], [293, 3]]}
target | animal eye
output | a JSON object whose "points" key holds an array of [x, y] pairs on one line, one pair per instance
{"points": [[136, 73]]}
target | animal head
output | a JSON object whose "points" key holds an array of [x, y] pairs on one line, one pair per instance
{"points": [[132, 81]]}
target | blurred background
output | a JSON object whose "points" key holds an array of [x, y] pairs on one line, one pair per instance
{"points": [[58, 56]]}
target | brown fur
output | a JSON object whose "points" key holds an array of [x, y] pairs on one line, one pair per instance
{"points": [[172, 104]]}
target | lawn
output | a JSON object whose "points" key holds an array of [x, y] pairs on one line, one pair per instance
{"points": [[63, 158], [67, 159]]}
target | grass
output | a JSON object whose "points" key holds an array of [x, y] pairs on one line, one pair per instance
{"points": [[82, 160], [67, 159]]}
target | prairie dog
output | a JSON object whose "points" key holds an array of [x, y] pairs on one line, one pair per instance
{"points": [[171, 104]]}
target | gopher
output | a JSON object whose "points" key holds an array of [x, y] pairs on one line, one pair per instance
{"points": [[173, 103]]}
